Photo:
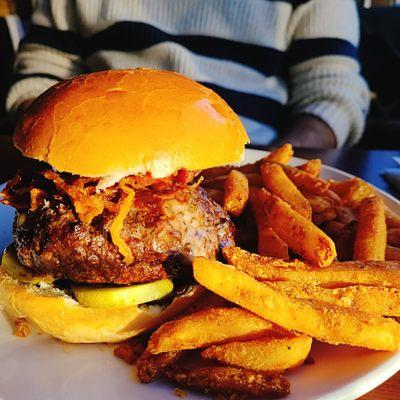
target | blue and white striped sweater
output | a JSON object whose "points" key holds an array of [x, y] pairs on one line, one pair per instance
{"points": [[266, 58]]}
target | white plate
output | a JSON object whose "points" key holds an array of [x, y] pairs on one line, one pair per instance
{"points": [[40, 368]]}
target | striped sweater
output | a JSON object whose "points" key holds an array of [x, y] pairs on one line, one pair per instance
{"points": [[269, 59]]}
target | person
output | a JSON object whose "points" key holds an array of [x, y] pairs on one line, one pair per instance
{"points": [[289, 68]]}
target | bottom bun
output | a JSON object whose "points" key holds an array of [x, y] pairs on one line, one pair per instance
{"points": [[56, 313]]}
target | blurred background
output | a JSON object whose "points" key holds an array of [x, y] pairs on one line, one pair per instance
{"points": [[379, 55]]}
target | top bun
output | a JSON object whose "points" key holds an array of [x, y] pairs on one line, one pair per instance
{"points": [[126, 122]]}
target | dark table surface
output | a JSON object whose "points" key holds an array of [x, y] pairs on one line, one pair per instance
{"points": [[367, 164]]}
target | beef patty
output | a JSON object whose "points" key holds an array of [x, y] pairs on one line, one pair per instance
{"points": [[164, 230]]}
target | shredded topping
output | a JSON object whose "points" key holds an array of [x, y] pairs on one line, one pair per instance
{"points": [[30, 190]]}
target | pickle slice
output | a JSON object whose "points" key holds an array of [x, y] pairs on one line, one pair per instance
{"points": [[114, 297], [14, 268]]}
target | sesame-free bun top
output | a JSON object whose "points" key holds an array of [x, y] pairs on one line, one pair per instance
{"points": [[124, 122]]}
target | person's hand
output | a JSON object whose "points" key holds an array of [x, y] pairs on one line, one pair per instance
{"points": [[308, 131]]}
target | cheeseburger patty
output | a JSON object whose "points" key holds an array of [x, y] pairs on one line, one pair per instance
{"points": [[164, 230]]}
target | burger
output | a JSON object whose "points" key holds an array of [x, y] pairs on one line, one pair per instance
{"points": [[108, 220]]}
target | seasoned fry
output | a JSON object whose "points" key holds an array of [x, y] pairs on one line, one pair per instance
{"points": [[210, 326], [392, 253], [370, 242], [217, 195], [277, 182], [319, 204], [392, 219], [335, 325], [393, 237], [369, 299], [327, 215], [281, 155], [352, 191], [313, 167], [236, 193], [150, 366], [372, 273], [230, 381], [268, 354], [301, 235], [215, 172], [345, 215], [306, 182], [269, 243]]}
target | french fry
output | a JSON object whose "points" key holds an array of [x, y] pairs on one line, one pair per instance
{"points": [[352, 191], [319, 204], [281, 155], [325, 216], [277, 183], [370, 242], [345, 215], [306, 182], [236, 193], [210, 326], [371, 273], [392, 219], [369, 299], [301, 235], [230, 381], [217, 195], [269, 243], [150, 366], [392, 253], [313, 167], [268, 354], [393, 237], [215, 172], [335, 325]]}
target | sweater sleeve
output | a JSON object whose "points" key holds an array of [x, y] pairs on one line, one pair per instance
{"points": [[324, 73], [48, 54]]}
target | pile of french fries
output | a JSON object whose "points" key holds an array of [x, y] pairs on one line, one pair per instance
{"points": [[318, 260]]}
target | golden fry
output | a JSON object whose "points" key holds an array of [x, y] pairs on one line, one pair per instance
{"points": [[236, 194], [216, 172], [269, 243], [345, 215], [219, 182], [372, 273], [230, 381], [306, 182], [370, 242], [281, 155], [325, 216], [335, 325], [313, 167], [210, 326], [393, 237], [392, 253], [352, 191], [277, 182], [370, 299], [319, 204], [268, 354], [301, 235]]}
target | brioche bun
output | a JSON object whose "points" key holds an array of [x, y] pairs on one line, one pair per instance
{"points": [[59, 315], [125, 122]]}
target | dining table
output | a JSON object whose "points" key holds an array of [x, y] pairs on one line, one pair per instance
{"points": [[366, 164]]}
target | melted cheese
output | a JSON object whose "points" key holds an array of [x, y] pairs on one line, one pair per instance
{"points": [[118, 223]]}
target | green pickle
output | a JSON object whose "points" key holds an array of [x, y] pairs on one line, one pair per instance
{"points": [[114, 297]]}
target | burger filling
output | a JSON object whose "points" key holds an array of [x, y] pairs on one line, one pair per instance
{"points": [[130, 243]]}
